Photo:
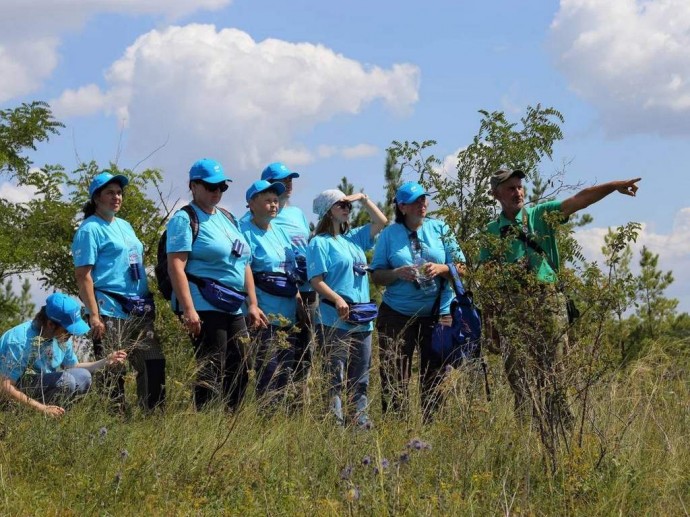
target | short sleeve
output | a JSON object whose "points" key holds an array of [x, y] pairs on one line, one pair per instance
{"points": [[84, 248], [316, 258], [179, 238], [381, 251]]}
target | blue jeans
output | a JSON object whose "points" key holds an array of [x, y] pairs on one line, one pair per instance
{"points": [[56, 387], [348, 359]]}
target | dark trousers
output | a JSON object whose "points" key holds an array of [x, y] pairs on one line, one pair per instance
{"points": [[399, 335], [136, 335], [220, 351], [304, 343], [275, 361]]}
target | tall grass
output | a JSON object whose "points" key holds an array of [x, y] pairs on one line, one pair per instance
{"points": [[475, 458]]}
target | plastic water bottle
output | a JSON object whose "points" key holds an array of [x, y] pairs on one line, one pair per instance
{"points": [[426, 284], [134, 264]]}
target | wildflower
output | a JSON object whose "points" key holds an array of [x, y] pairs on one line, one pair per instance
{"points": [[404, 458], [448, 369], [149, 334], [366, 460], [124, 454], [352, 494], [109, 324], [118, 478], [415, 444], [102, 432], [384, 464], [346, 472]]}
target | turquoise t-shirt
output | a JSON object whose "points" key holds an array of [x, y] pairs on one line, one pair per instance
{"points": [[333, 258], [210, 256], [269, 255], [393, 249], [22, 349], [107, 247], [538, 229], [292, 220]]}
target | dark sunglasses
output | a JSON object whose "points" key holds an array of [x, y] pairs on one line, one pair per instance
{"points": [[344, 204], [212, 187]]}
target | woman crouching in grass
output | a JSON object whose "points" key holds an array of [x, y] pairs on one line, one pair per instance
{"points": [[38, 366]]}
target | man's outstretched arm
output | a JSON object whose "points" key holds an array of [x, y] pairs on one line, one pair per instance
{"points": [[591, 195]]}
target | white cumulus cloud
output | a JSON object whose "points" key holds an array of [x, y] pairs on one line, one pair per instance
{"points": [[673, 249], [630, 59], [219, 93], [30, 32]]}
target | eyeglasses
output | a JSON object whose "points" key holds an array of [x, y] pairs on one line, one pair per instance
{"points": [[344, 205], [212, 187]]}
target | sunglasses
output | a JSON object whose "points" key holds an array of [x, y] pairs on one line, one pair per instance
{"points": [[212, 187], [344, 205]]}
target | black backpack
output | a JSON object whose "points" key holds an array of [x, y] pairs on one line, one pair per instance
{"points": [[161, 269]]}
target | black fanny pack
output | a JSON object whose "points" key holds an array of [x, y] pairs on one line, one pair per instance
{"points": [[220, 296], [277, 284], [360, 313], [133, 305]]}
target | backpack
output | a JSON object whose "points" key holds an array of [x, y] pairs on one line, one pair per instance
{"points": [[161, 269], [462, 339]]}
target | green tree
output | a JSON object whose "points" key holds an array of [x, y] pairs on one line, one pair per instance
{"points": [[393, 179], [656, 312], [14, 309]]}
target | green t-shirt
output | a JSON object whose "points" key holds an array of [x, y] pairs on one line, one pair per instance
{"points": [[539, 230]]}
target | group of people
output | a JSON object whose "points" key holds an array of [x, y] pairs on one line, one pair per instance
{"points": [[265, 279]]}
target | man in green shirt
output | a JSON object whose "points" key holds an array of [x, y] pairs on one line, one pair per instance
{"points": [[530, 313]]}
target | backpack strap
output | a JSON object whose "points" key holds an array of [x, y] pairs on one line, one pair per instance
{"points": [[229, 215], [193, 220]]}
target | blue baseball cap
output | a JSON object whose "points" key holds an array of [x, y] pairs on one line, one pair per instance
{"points": [[208, 170], [409, 192], [277, 171], [66, 312], [261, 186], [102, 179]]}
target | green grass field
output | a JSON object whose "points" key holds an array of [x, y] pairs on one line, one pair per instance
{"points": [[475, 459]]}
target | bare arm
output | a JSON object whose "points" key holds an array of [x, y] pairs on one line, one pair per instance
{"points": [[378, 220], [119, 356], [591, 195], [176, 264], [257, 318], [88, 297], [327, 293], [9, 390]]}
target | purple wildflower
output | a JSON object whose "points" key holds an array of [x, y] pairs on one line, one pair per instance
{"points": [[102, 432], [366, 460], [346, 472], [124, 454], [384, 463], [404, 458]]}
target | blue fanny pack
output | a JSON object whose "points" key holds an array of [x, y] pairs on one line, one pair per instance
{"points": [[360, 313], [277, 284], [220, 296], [133, 305]]}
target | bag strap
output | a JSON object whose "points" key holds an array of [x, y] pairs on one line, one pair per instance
{"points": [[524, 236], [436, 307]]}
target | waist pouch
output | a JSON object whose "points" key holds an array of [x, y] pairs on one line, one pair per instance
{"points": [[133, 305], [277, 284], [220, 296], [360, 313]]}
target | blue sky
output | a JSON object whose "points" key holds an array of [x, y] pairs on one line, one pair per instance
{"points": [[326, 86]]}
